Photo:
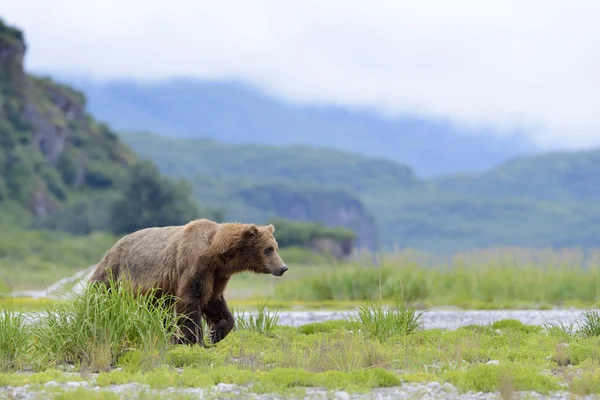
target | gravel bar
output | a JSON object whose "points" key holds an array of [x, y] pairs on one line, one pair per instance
{"points": [[431, 390]]}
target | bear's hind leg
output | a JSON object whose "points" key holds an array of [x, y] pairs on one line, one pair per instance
{"points": [[220, 318]]}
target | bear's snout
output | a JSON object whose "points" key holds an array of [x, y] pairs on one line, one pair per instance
{"points": [[280, 271]]}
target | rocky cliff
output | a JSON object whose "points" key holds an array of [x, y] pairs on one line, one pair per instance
{"points": [[50, 146], [333, 208]]}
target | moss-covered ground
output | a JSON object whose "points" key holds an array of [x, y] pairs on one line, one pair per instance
{"points": [[114, 339]]}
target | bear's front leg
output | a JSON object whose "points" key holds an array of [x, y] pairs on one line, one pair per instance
{"points": [[191, 325], [218, 315]]}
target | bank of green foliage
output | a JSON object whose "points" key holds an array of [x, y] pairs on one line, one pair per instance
{"points": [[305, 234], [99, 332]]}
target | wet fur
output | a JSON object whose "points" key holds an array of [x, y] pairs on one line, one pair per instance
{"points": [[194, 262]]}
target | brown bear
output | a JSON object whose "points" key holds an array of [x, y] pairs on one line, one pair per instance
{"points": [[193, 262]]}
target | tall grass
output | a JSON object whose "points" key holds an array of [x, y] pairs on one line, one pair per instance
{"points": [[497, 278], [15, 339], [97, 327], [382, 324]]}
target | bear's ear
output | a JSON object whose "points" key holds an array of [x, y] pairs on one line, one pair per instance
{"points": [[271, 228], [250, 232], [233, 238]]}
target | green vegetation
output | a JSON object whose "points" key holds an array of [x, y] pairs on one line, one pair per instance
{"points": [[149, 199], [309, 234], [294, 233], [384, 324], [101, 331], [15, 339], [472, 280], [95, 329], [260, 163], [264, 322]]}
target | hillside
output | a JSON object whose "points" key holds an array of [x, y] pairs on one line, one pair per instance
{"points": [[294, 164], [556, 176], [237, 114], [443, 215], [50, 147]]}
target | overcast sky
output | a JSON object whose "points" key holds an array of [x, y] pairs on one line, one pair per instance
{"points": [[506, 64]]}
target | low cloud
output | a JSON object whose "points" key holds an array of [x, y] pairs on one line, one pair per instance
{"points": [[512, 65]]}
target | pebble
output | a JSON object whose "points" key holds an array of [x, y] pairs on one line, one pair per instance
{"points": [[429, 391]]}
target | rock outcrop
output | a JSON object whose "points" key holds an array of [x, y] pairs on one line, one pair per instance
{"points": [[331, 207]]}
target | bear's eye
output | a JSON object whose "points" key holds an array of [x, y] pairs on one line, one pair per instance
{"points": [[269, 250]]}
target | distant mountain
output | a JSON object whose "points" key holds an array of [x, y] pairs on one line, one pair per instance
{"points": [[235, 113]]}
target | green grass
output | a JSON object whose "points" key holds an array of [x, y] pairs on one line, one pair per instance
{"points": [[264, 321], [128, 339], [15, 339], [502, 279], [383, 324]]}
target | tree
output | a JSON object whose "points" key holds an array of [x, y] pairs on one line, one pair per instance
{"points": [[148, 199]]}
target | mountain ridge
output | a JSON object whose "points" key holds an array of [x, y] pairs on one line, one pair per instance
{"points": [[239, 113]]}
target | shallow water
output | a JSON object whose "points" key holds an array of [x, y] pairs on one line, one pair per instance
{"points": [[449, 319]]}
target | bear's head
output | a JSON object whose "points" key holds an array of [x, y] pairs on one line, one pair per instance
{"points": [[248, 247]]}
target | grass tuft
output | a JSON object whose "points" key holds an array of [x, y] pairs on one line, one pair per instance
{"points": [[265, 321], [498, 278], [378, 322], [99, 326], [591, 323]]}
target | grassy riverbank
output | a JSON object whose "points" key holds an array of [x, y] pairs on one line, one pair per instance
{"points": [[113, 339]]}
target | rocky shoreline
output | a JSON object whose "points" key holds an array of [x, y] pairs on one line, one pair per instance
{"points": [[431, 390]]}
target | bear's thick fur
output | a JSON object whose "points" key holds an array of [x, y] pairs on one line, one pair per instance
{"points": [[193, 262]]}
